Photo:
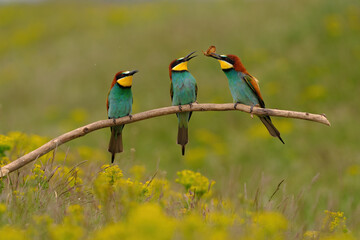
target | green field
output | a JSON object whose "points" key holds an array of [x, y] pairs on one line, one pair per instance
{"points": [[57, 61]]}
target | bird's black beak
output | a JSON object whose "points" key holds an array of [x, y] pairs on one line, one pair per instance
{"points": [[188, 57], [133, 72], [214, 55]]}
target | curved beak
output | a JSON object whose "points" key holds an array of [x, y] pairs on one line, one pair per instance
{"points": [[188, 57], [214, 55], [133, 72]]}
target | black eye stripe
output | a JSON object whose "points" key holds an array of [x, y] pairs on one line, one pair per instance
{"points": [[175, 63], [229, 60], [121, 75]]}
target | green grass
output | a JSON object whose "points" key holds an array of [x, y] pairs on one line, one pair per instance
{"points": [[57, 62]]}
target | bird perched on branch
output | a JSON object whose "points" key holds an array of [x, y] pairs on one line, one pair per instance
{"points": [[244, 87], [119, 104], [183, 90]]}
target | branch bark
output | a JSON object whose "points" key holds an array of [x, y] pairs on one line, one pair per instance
{"points": [[82, 131]]}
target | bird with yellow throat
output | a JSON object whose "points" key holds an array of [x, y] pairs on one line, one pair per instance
{"points": [[183, 90], [119, 104]]}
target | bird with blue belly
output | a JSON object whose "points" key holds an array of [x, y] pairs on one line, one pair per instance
{"points": [[183, 90], [119, 104], [243, 86]]}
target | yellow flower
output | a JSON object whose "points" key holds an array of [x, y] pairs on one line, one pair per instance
{"points": [[72, 226], [111, 174], [12, 233], [311, 235], [334, 222], [158, 188], [338, 236], [267, 225], [5, 145], [112, 231], [148, 221], [105, 181], [194, 182]]}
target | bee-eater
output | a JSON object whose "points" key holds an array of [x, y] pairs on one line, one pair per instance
{"points": [[119, 104], [244, 87], [183, 90]]}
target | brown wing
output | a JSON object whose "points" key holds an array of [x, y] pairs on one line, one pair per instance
{"points": [[107, 101], [196, 89], [254, 86]]}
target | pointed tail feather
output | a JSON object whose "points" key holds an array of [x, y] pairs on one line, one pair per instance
{"points": [[183, 130], [266, 120], [115, 144], [182, 138]]}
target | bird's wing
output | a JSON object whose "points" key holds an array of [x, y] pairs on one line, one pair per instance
{"points": [[171, 91], [253, 83], [107, 101], [196, 90]]}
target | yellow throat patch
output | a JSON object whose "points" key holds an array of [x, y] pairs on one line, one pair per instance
{"points": [[180, 67], [225, 64], [125, 81]]}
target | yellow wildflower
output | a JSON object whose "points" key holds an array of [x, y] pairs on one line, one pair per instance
{"points": [[194, 182], [334, 221]]}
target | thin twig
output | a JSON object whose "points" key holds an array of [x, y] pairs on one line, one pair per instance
{"points": [[277, 189], [82, 131]]}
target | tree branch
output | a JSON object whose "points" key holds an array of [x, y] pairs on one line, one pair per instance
{"points": [[79, 132]]}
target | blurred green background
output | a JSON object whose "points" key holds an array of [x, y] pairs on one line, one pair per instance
{"points": [[57, 61]]}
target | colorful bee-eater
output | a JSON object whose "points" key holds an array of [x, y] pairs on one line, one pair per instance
{"points": [[119, 104], [244, 88], [183, 90]]}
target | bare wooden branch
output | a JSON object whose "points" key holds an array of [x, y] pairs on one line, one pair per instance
{"points": [[79, 132]]}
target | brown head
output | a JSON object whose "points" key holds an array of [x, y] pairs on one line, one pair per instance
{"points": [[229, 61]]}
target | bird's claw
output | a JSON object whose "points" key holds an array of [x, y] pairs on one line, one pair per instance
{"points": [[130, 116], [180, 108], [251, 110], [190, 104], [235, 105], [114, 120]]}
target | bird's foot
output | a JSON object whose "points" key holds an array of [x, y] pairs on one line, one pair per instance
{"points": [[180, 108], [114, 120], [251, 108], [190, 104], [235, 105], [130, 116]]}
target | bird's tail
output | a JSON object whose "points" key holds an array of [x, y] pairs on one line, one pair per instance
{"points": [[115, 144], [182, 138], [266, 120]]}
